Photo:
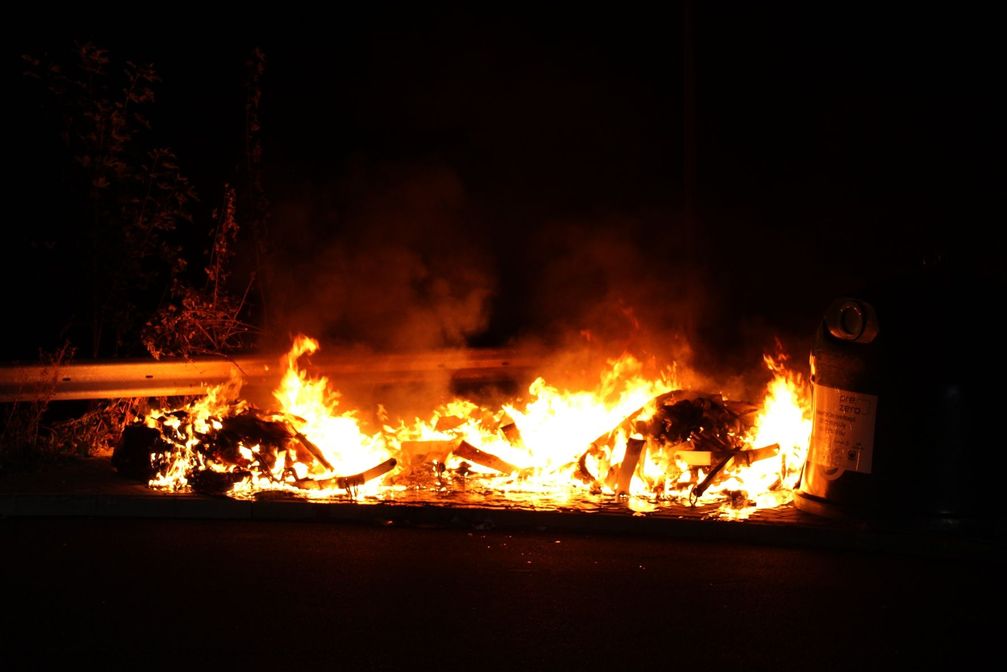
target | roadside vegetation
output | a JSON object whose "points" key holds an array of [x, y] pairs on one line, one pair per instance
{"points": [[159, 263]]}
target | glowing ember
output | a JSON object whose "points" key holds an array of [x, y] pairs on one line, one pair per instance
{"points": [[633, 437]]}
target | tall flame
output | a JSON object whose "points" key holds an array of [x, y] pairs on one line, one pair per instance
{"points": [[312, 404], [785, 418]]}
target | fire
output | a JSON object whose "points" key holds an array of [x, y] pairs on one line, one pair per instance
{"points": [[557, 425], [785, 419], [312, 406], [635, 436], [182, 433]]}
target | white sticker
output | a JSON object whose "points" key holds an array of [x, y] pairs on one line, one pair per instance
{"points": [[842, 434]]}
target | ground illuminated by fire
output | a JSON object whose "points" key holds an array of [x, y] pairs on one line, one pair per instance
{"points": [[637, 441]]}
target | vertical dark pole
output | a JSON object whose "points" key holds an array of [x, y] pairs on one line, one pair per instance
{"points": [[690, 238], [689, 115]]}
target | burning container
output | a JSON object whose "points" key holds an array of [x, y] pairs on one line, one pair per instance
{"points": [[906, 420]]}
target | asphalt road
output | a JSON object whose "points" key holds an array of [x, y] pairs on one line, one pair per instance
{"points": [[223, 594]]}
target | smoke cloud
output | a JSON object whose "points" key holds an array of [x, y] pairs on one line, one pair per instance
{"points": [[385, 258], [398, 257]]}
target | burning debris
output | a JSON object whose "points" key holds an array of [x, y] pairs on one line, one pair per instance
{"points": [[635, 438]]}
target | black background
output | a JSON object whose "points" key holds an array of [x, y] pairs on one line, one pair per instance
{"points": [[539, 156]]}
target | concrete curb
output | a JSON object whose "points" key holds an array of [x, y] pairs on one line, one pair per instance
{"points": [[89, 488], [821, 534]]}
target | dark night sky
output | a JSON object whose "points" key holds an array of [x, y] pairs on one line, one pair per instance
{"points": [[539, 158]]}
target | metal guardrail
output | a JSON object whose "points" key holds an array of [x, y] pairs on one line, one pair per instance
{"points": [[149, 378]]}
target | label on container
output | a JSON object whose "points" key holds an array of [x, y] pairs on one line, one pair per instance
{"points": [[842, 431]]}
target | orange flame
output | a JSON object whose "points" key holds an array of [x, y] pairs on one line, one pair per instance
{"points": [[312, 407]]}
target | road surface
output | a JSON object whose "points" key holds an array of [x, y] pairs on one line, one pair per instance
{"points": [[223, 594]]}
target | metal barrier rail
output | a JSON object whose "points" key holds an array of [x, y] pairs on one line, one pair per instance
{"points": [[149, 378]]}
